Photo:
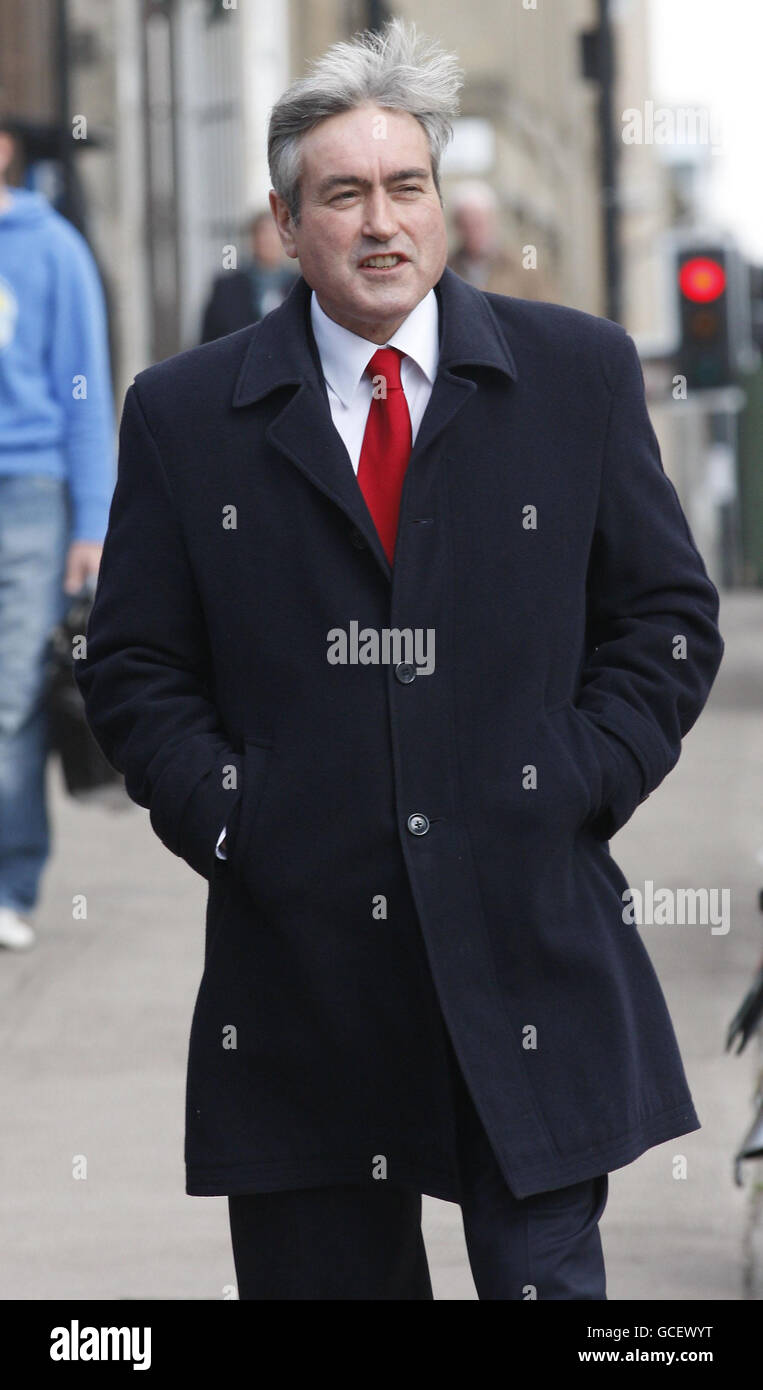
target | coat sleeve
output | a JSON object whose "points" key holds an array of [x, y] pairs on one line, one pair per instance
{"points": [[145, 675], [653, 647], [79, 353]]}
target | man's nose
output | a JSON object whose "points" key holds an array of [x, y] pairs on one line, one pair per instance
{"points": [[380, 220]]}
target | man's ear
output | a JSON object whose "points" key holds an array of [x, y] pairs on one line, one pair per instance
{"points": [[284, 224]]}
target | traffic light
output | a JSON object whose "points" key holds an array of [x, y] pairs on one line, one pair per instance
{"points": [[705, 350], [713, 312]]}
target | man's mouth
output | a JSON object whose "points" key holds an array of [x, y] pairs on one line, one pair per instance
{"points": [[388, 262]]}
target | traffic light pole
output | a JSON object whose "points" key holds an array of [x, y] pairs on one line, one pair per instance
{"points": [[723, 430], [608, 161], [598, 65]]}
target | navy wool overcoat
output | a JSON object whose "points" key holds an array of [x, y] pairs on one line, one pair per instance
{"points": [[417, 852]]}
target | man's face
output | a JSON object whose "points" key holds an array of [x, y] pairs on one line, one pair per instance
{"points": [[477, 228], [7, 151], [367, 190]]}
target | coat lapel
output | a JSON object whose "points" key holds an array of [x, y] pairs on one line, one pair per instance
{"points": [[283, 353]]}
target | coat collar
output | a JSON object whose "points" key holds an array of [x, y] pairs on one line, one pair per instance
{"points": [[345, 356], [283, 352]]}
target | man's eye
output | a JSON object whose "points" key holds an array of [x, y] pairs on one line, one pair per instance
{"points": [[352, 193]]}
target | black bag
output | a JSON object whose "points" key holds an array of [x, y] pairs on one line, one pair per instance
{"points": [[84, 767]]}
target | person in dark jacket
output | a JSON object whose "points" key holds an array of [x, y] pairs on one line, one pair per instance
{"points": [[245, 295], [389, 676]]}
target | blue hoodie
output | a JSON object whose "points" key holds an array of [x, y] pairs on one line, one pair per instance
{"points": [[56, 408]]}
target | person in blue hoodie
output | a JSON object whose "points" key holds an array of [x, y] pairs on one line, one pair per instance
{"points": [[57, 475]]}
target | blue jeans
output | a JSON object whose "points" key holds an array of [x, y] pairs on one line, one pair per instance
{"points": [[34, 536]]}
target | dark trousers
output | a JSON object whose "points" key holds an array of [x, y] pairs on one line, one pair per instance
{"points": [[366, 1243]]}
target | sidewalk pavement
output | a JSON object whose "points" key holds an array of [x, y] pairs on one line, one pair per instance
{"points": [[95, 1022]]}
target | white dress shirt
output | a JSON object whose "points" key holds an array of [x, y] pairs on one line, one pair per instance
{"points": [[344, 358]]}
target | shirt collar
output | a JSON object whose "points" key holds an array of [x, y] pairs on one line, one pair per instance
{"points": [[344, 355]]}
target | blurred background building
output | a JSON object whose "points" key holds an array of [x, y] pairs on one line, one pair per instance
{"points": [[146, 124]]}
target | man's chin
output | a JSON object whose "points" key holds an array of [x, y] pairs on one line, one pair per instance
{"points": [[368, 289], [367, 304]]}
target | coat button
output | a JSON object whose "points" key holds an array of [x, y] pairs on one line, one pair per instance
{"points": [[357, 538], [418, 824], [405, 672]]}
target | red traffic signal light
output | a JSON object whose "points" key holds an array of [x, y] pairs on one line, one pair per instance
{"points": [[710, 292], [705, 355], [702, 279]]}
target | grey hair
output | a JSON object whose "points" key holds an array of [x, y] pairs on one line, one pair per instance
{"points": [[395, 68]]}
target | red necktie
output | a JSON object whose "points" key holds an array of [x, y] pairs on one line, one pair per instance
{"points": [[386, 446]]}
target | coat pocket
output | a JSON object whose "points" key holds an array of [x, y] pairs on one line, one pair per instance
{"points": [[240, 836], [592, 755]]}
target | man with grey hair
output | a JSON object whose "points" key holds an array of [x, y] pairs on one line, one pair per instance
{"points": [[417, 975]]}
